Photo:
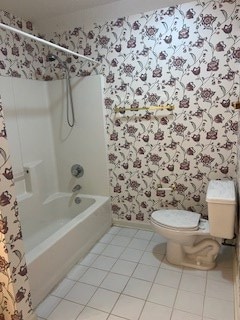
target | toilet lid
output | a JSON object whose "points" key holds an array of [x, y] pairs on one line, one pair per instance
{"points": [[176, 219]]}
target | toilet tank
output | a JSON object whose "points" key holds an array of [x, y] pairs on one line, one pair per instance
{"points": [[222, 205]]}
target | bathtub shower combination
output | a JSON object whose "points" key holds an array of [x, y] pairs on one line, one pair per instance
{"points": [[57, 231], [64, 209], [59, 235]]}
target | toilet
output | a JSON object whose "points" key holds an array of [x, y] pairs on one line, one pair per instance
{"points": [[191, 240]]}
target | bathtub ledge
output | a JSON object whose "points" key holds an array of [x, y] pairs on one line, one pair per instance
{"points": [[24, 196], [55, 196]]}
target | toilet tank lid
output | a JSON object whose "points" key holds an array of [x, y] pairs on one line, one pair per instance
{"points": [[221, 191]]}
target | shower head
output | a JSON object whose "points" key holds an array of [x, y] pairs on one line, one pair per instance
{"points": [[52, 57]]}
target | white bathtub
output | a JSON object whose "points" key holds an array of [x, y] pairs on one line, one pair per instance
{"points": [[58, 236]]}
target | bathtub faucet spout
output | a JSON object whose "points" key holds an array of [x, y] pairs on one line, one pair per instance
{"points": [[76, 188]]}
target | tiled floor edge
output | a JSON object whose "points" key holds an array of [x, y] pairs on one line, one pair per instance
{"points": [[236, 288], [32, 317], [134, 224], [137, 287]]}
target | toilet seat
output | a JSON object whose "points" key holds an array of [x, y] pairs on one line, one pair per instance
{"points": [[180, 220]]}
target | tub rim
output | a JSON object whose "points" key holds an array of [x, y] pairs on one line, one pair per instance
{"points": [[51, 240]]}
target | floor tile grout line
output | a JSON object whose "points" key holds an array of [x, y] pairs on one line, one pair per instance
{"points": [[146, 300], [122, 291], [109, 271], [86, 306], [205, 294], [121, 257], [99, 286], [129, 277], [54, 307], [178, 288], [63, 299], [110, 314], [90, 266]]}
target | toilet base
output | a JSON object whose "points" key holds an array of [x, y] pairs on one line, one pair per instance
{"points": [[194, 264], [202, 256]]}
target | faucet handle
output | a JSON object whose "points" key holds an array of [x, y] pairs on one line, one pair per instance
{"points": [[77, 170]]}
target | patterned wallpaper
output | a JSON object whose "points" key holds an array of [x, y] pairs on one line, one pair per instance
{"points": [[19, 56], [187, 56], [15, 302]]}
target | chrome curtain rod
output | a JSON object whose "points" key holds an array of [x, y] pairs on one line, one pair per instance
{"points": [[48, 43]]}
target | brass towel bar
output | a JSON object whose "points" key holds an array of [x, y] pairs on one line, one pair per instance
{"points": [[167, 107]]}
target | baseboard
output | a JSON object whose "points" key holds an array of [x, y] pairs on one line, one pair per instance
{"points": [[134, 224], [236, 288]]}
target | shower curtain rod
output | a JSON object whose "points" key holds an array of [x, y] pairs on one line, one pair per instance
{"points": [[48, 43]]}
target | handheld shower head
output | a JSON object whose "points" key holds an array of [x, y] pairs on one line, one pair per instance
{"points": [[50, 58]]}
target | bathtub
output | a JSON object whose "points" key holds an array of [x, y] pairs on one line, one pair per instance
{"points": [[59, 235]]}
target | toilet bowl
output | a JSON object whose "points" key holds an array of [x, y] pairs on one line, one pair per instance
{"points": [[193, 241]]}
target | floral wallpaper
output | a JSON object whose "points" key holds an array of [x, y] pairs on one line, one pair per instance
{"points": [[186, 56], [19, 56], [15, 302]]}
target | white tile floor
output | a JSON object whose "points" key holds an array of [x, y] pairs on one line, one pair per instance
{"points": [[126, 276]]}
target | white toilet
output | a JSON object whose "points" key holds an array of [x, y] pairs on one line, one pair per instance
{"points": [[193, 241]]}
